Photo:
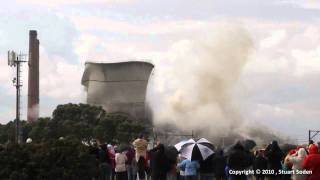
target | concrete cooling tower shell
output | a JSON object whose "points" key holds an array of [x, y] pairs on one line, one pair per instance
{"points": [[118, 87]]}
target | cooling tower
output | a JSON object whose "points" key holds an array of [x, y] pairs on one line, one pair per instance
{"points": [[33, 78], [118, 87]]}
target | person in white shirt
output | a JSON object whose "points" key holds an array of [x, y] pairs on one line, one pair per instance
{"points": [[121, 168], [297, 162]]}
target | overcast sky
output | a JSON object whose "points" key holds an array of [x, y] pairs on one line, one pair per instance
{"points": [[280, 85]]}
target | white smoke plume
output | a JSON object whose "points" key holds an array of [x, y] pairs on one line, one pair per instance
{"points": [[204, 72]]}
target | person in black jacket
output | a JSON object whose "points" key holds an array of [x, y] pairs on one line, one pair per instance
{"points": [[238, 160], [207, 168], [105, 162], [219, 163], [274, 156], [158, 163], [260, 163]]}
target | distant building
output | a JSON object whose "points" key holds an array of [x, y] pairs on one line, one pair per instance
{"points": [[118, 87]]}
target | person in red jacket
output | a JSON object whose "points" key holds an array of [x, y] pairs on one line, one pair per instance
{"points": [[312, 162]]}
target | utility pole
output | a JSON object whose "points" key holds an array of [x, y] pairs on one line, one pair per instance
{"points": [[15, 60], [309, 138]]}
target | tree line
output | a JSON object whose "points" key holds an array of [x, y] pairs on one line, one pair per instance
{"points": [[57, 150]]}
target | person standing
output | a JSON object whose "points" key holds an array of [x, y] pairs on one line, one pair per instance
{"points": [[238, 160], [274, 156], [207, 168], [190, 169], [297, 161], [181, 170], [134, 169], [111, 153], [120, 166], [95, 149], [140, 146], [312, 163], [105, 163], [260, 163], [130, 155], [219, 163], [172, 174], [158, 164]]}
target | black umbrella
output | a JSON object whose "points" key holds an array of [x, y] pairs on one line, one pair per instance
{"points": [[197, 150], [248, 144], [229, 149], [171, 153]]}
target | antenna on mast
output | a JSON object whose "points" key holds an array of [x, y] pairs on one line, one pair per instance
{"points": [[11, 58], [15, 60]]}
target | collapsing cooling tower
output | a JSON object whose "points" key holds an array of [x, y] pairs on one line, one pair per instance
{"points": [[118, 87]]}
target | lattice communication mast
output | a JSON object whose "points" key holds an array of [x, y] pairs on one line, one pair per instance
{"points": [[16, 60]]}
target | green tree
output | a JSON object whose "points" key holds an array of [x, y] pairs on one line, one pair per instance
{"points": [[57, 159], [80, 121], [7, 132], [38, 130], [47, 157]]}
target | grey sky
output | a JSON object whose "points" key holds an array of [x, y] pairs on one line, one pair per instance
{"points": [[278, 87]]}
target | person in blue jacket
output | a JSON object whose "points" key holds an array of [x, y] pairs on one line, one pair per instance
{"points": [[190, 168]]}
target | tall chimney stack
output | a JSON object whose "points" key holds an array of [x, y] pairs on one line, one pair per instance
{"points": [[33, 79]]}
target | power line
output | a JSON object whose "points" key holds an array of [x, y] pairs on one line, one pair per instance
{"points": [[313, 134]]}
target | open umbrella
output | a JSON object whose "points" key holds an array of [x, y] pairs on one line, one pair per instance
{"points": [[197, 150], [248, 144], [179, 145], [171, 153]]}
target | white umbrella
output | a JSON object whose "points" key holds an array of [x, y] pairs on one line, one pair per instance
{"points": [[179, 145], [199, 150]]}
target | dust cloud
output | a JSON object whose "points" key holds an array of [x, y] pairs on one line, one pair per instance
{"points": [[204, 72]]}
